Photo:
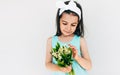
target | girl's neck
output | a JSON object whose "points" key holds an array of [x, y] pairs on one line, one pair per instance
{"points": [[64, 38]]}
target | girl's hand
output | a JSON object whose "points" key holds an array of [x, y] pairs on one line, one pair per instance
{"points": [[65, 69], [74, 51]]}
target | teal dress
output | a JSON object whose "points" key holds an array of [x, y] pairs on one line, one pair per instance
{"points": [[76, 42]]}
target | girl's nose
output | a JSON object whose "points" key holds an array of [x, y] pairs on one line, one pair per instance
{"points": [[68, 27]]}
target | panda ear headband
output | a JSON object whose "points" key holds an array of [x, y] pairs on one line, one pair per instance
{"points": [[71, 6]]}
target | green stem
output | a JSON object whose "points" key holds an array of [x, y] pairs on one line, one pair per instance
{"points": [[72, 72]]}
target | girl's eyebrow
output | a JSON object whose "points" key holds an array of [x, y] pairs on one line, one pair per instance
{"points": [[75, 23], [66, 21]]}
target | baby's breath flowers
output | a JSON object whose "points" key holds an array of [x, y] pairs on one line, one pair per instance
{"points": [[63, 56]]}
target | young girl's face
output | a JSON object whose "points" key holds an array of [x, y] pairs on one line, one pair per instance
{"points": [[68, 24]]}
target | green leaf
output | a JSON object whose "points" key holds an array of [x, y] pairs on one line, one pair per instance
{"points": [[61, 63], [54, 49], [57, 46]]}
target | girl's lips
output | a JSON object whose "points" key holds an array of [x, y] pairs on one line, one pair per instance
{"points": [[67, 32]]}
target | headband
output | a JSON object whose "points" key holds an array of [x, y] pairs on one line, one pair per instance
{"points": [[71, 6]]}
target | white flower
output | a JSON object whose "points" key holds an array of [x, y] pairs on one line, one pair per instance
{"points": [[60, 50], [59, 57], [55, 54], [66, 50]]}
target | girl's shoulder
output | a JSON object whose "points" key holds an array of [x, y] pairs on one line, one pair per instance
{"points": [[83, 41], [51, 37]]}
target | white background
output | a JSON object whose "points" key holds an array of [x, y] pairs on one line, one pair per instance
{"points": [[25, 26]]}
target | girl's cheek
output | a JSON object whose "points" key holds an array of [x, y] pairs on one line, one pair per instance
{"points": [[74, 28]]}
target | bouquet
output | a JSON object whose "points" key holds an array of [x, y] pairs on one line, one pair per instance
{"points": [[63, 56]]}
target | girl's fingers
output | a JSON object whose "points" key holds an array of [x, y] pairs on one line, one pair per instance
{"points": [[70, 45], [74, 50], [64, 70], [67, 69], [73, 47]]}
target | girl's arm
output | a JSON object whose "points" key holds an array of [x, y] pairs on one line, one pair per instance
{"points": [[83, 60], [48, 61]]}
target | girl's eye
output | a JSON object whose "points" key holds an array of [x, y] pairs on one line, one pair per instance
{"points": [[64, 24], [73, 25]]}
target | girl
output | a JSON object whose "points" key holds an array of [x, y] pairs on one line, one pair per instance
{"points": [[70, 31]]}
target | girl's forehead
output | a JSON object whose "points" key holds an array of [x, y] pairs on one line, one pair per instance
{"points": [[69, 17]]}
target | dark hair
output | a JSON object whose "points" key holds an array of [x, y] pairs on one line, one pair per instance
{"points": [[80, 27]]}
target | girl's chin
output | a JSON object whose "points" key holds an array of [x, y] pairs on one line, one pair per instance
{"points": [[66, 34]]}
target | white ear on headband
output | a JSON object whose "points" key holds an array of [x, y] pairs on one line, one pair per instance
{"points": [[71, 6]]}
